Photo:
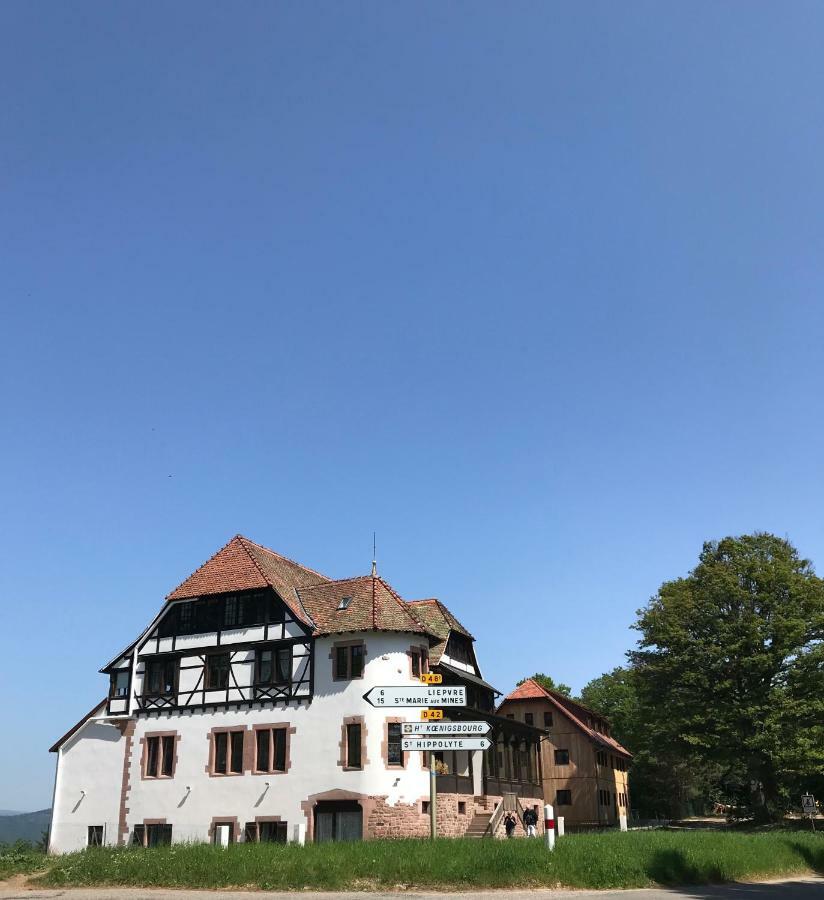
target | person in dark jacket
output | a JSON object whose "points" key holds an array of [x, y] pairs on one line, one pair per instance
{"points": [[531, 822], [509, 824]]}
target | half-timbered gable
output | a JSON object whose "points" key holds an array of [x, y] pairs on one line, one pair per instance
{"points": [[242, 647]]}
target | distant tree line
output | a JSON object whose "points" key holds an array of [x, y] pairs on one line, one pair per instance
{"points": [[722, 701]]}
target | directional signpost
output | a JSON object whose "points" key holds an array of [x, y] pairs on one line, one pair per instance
{"points": [[431, 735]]}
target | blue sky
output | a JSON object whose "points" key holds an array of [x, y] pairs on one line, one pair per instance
{"points": [[532, 290]]}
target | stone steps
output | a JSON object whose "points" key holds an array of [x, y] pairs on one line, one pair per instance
{"points": [[478, 825]]}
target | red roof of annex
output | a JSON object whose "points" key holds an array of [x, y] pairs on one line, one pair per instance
{"points": [[531, 690]]}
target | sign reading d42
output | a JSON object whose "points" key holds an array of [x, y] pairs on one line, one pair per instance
{"points": [[430, 715], [431, 678]]}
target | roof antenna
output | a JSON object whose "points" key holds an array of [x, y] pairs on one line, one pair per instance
{"points": [[374, 557]]}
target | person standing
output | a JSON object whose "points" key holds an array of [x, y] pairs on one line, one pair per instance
{"points": [[509, 824], [531, 821]]}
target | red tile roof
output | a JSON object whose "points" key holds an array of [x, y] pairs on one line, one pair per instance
{"points": [[438, 621], [313, 598], [372, 604], [244, 565], [531, 690]]}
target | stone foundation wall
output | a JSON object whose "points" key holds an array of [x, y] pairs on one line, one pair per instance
{"points": [[408, 820]]}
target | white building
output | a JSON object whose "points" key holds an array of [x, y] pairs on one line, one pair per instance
{"points": [[238, 714]]}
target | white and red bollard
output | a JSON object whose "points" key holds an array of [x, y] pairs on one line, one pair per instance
{"points": [[549, 826]]}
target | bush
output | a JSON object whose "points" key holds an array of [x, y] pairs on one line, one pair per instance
{"points": [[20, 858]]}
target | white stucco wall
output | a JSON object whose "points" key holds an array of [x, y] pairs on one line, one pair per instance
{"points": [[93, 761], [87, 789]]}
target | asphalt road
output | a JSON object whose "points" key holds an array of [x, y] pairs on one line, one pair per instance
{"points": [[796, 889]]}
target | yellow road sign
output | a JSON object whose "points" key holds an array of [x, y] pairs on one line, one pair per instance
{"points": [[427, 715], [431, 678]]}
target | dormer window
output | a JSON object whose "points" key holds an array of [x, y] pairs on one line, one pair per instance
{"points": [[119, 683], [344, 603]]}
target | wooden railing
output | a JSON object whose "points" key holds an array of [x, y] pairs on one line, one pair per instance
{"points": [[494, 820]]}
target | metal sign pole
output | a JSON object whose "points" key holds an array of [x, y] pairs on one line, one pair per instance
{"points": [[433, 798]]}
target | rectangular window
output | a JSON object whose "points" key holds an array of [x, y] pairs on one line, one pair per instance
{"points": [[529, 718], [221, 755], [139, 836], [94, 837], [271, 750], [152, 756], [274, 665], [161, 676], [160, 756], [185, 617], [158, 835], [357, 661], [272, 832], [167, 747], [119, 683], [601, 758], [353, 746], [547, 720], [563, 798], [510, 715], [230, 612], [349, 661], [416, 664], [236, 760], [341, 662], [394, 753], [228, 752], [217, 671], [264, 745], [562, 757]]}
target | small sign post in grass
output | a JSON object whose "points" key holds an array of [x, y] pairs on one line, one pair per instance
{"points": [[809, 807]]}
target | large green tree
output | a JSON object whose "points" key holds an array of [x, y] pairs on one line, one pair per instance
{"points": [[615, 696], [729, 670], [662, 782]]}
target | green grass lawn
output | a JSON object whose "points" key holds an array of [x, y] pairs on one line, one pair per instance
{"points": [[634, 859]]}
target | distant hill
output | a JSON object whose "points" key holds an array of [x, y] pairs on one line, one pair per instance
{"points": [[24, 826]]}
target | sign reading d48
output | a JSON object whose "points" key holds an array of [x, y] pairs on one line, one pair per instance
{"points": [[431, 678]]}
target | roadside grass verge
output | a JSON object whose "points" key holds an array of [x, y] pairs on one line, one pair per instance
{"points": [[614, 860], [21, 858]]}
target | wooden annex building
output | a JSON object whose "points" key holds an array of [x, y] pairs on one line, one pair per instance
{"points": [[584, 769]]}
